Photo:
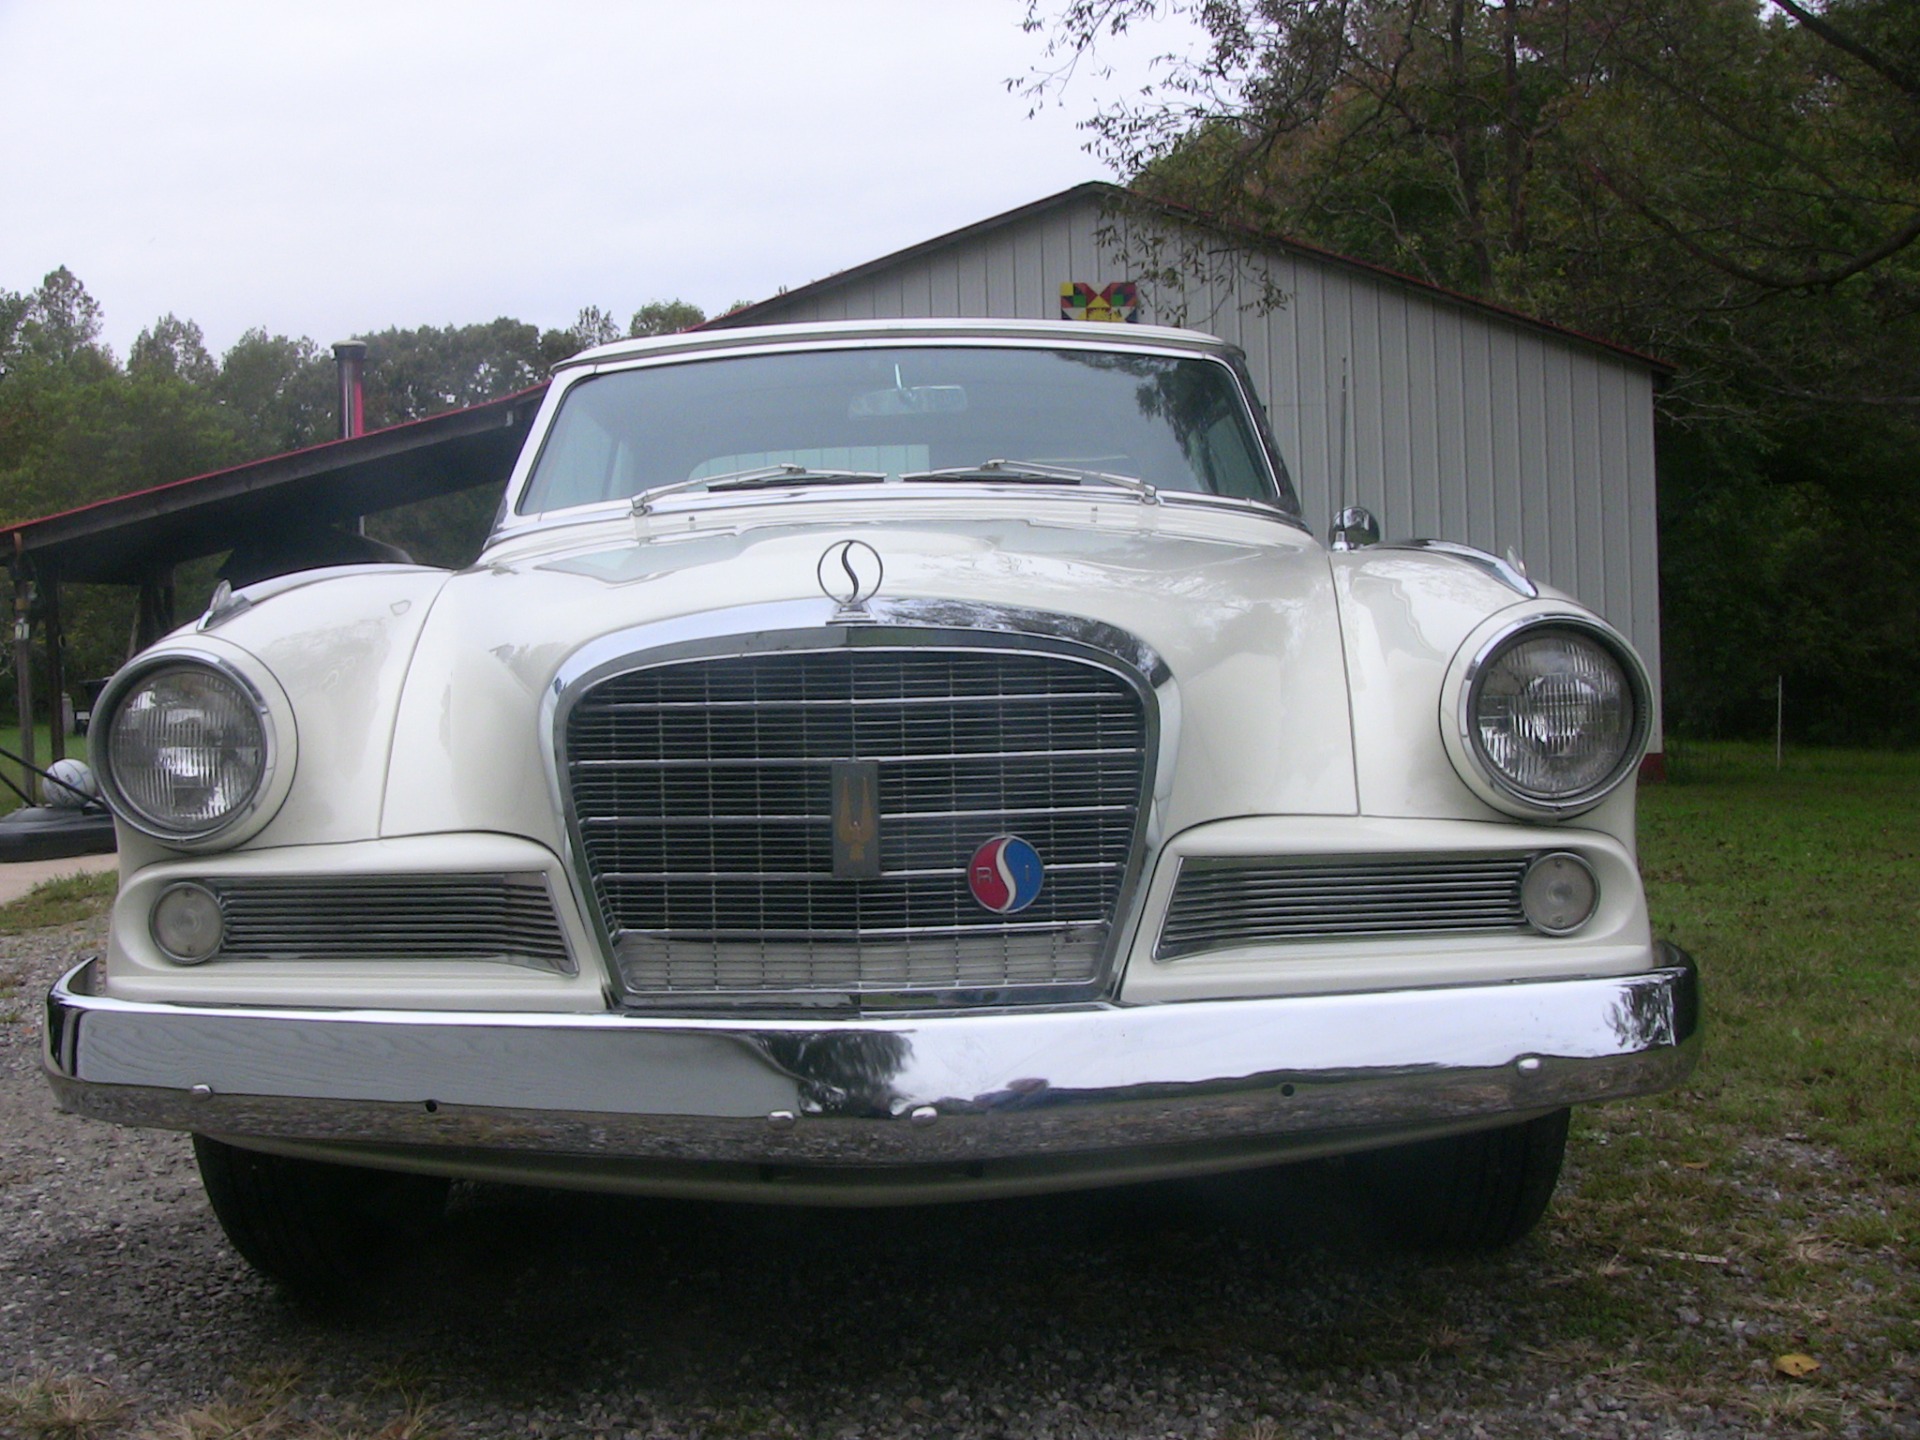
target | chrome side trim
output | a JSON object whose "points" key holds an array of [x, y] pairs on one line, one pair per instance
{"points": [[1507, 572], [1058, 1084]]}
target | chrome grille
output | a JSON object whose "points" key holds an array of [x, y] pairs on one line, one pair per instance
{"points": [[499, 917], [1226, 902], [702, 797]]}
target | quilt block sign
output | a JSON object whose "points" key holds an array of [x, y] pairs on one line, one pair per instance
{"points": [[1119, 302]]}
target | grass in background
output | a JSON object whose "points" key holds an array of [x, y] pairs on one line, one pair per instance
{"points": [[1798, 890], [62, 901]]}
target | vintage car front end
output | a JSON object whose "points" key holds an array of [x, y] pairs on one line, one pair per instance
{"points": [[877, 763]]}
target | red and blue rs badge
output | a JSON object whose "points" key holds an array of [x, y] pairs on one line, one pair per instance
{"points": [[1006, 874]]}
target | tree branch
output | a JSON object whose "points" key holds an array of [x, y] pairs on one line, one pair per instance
{"points": [[1898, 76]]}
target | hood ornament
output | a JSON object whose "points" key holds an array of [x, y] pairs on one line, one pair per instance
{"points": [[850, 574]]}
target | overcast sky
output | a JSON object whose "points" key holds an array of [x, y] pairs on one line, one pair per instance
{"points": [[323, 169]]}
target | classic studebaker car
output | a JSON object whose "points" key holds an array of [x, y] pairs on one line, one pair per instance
{"points": [[870, 763]]}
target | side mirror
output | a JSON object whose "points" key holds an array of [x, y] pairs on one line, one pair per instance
{"points": [[1353, 528]]}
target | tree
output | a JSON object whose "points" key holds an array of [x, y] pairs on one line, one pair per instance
{"points": [[56, 326], [173, 347], [1734, 188], [1661, 171], [593, 326], [665, 317], [431, 368], [279, 393]]}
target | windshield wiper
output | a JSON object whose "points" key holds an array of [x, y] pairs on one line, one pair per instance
{"points": [[1031, 472], [762, 477]]}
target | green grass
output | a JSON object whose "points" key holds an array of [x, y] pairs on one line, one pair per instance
{"points": [[64, 901], [1799, 892]]}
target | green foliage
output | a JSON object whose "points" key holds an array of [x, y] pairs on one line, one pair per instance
{"points": [[1733, 188], [281, 393], [414, 373], [173, 347], [665, 317], [76, 426]]}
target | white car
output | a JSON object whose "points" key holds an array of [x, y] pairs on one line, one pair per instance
{"points": [[870, 763]]}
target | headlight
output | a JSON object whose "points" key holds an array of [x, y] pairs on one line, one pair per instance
{"points": [[1555, 714], [187, 749]]}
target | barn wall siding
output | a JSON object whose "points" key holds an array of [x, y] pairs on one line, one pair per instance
{"points": [[1445, 419]]}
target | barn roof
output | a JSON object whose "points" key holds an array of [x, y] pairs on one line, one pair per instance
{"points": [[123, 539], [1117, 197]]}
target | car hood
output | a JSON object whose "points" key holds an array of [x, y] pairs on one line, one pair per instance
{"points": [[1240, 609]]}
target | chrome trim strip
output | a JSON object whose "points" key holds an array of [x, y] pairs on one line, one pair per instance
{"points": [[1505, 571], [1064, 1083]]}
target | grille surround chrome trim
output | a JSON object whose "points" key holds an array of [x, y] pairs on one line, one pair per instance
{"points": [[894, 624], [1348, 889]]}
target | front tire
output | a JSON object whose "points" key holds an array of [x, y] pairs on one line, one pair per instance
{"points": [[322, 1231], [1465, 1193]]}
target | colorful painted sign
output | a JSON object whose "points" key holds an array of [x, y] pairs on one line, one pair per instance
{"points": [[1118, 303]]}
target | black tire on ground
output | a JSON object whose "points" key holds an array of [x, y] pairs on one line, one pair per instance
{"points": [[1477, 1192], [322, 1231]]}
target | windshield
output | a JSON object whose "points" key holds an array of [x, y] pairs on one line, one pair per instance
{"points": [[832, 415]]}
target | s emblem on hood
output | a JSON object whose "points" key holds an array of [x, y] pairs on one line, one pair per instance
{"points": [[850, 573]]}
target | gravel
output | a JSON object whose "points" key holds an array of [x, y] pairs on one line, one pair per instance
{"points": [[1243, 1310]]}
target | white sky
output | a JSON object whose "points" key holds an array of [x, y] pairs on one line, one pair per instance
{"points": [[328, 168]]}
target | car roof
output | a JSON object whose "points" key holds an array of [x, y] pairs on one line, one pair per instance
{"points": [[1073, 332]]}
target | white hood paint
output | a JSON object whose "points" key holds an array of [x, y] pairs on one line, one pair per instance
{"points": [[417, 695], [1240, 607]]}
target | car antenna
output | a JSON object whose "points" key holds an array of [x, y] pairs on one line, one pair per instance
{"points": [[1344, 497]]}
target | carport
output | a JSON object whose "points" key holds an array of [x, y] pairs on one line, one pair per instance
{"points": [[267, 508]]}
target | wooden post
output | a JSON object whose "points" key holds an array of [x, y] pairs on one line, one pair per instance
{"points": [[23, 669], [156, 607], [56, 671]]}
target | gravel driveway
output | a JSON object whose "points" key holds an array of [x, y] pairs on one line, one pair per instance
{"points": [[1224, 1310]]}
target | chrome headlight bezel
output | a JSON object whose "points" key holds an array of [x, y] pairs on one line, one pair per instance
{"points": [[270, 710], [1465, 687]]}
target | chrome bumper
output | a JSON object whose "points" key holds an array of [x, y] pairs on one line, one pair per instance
{"points": [[1321, 1072]]}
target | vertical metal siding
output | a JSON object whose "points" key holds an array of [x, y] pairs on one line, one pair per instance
{"points": [[1460, 424]]}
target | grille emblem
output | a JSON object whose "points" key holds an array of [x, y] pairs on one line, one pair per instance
{"points": [[850, 573], [1005, 875], [856, 819]]}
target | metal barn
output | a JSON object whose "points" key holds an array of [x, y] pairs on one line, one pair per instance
{"points": [[1447, 417]]}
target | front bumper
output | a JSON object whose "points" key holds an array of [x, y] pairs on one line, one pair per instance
{"points": [[1012, 1100]]}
